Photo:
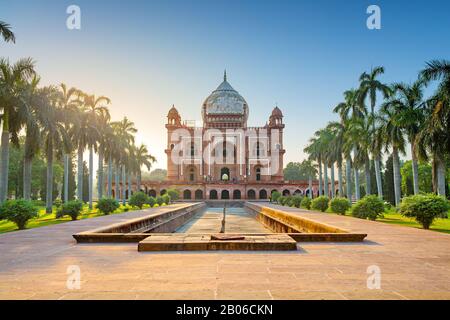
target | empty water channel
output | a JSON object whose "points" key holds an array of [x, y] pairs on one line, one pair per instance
{"points": [[215, 220], [223, 225]]}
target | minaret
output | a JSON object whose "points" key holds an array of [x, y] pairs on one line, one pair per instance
{"points": [[173, 123]]}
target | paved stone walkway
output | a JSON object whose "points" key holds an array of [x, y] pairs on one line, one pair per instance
{"points": [[414, 264]]}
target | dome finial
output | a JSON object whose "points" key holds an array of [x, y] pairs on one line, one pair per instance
{"points": [[225, 75]]}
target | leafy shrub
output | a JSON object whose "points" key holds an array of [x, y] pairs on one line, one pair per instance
{"points": [[107, 205], [306, 203], [57, 203], [289, 201], [424, 208], [71, 208], [296, 201], [320, 203], [173, 194], [339, 205], [151, 201], [159, 200], [138, 199], [18, 211], [282, 200], [126, 208], [370, 207], [166, 198], [275, 196]]}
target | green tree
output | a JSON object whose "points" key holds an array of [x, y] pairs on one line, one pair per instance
{"points": [[394, 138], [6, 32], [369, 86], [12, 77], [424, 177], [69, 103], [433, 139], [408, 101]]}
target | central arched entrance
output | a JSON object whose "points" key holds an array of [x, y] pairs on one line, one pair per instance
{"points": [[213, 195], [187, 195], [262, 194], [237, 194], [198, 194], [251, 194], [225, 195]]}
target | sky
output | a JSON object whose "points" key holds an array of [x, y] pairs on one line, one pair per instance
{"points": [[301, 55]]}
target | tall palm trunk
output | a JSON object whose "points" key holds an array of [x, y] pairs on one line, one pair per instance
{"points": [[310, 187], [333, 190], [376, 162], [124, 185], [325, 174], [129, 186], [117, 182], [49, 198], [320, 177], [367, 173], [415, 169], [138, 180], [4, 158], [340, 186], [357, 188], [80, 174], [66, 177], [110, 176], [348, 177], [91, 175], [100, 174], [397, 177], [440, 173], [27, 163]]}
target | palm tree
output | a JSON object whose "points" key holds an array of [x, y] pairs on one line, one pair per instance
{"points": [[104, 129], [434, 139], [54, 136], [98, 116], [110, 146], [310, 170], [79, 132], [6, 33], [408, 100], [349, 110], [356, 142], [29, 114], [124, 131], [337, 150], [10, 100], [394, 138], [369, 87], [143, 158], [69, 105], [314, 151], [434, 135]]}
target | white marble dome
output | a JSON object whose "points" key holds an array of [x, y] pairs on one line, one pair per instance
{"points": [[225, 100]]}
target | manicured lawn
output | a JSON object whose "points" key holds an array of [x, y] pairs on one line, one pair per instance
{"points": [[441, 225], [392, 217], [46, 219]]}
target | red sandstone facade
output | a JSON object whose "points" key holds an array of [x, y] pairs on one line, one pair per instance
{"points": [[224, 158]]}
